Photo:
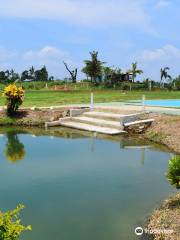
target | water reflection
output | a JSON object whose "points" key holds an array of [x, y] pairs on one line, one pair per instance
{"points": [[14, 150], [173, 174], [97, 188]]}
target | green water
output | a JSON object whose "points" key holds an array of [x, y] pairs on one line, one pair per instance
{"points": [[80, 187]]}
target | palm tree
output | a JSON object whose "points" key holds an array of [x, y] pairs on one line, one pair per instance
{"points": [[134, 71], [93, 67], [164, 75]]}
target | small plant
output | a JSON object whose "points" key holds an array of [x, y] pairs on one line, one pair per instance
{"points": [[173, 175], [14, 97], [10, 224]]}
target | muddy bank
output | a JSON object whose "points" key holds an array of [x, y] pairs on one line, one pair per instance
{"points": [[33, 118], [165, 130], [166, 220]]}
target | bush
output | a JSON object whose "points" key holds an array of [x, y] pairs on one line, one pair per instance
{"points": [[14, 97], [10, 225], [173, 175]]}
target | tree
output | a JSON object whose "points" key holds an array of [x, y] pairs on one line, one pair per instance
{"points": [[32, 73], [134, 71], [24, 75], [12, 75], [85, 71], [164, 75], [51, 78], [3, 77], [42, 74], [93, 68], [73, 73], [107, 72]]}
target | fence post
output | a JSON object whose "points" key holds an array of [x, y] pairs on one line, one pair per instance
{"points": [[92, 101], [143, 102], [150, 85]]}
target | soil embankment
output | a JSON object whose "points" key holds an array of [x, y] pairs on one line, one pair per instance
{"points": [[165, 130], [34, 118], [165, 221]]}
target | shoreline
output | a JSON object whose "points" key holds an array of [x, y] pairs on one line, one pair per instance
{"points": [[164, 222], [164, 130]]}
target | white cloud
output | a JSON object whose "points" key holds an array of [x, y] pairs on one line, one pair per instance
{"points": [[83, 12], [50, 56], [46, 53], [165, 53], [163, 3], [151, 61]]}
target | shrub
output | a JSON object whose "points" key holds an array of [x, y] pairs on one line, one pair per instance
{"points": [[10, 225], [14, 97], [173, 175]]}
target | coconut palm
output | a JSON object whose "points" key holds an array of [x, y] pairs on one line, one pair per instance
{"points": [[134, 71], [93, 68]]}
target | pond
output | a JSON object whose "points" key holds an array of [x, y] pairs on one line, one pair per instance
{"points": [[80, 186]]}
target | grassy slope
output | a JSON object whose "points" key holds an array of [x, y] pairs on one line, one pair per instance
{"points": [[49, 97]]}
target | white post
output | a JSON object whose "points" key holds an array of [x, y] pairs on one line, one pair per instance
{"points": [[143, 103], [174, 85], [150, 85], [92, 101], [130, 87]]}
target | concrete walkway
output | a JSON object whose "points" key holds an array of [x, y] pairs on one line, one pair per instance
{"points": [[119, 105], [124, 107]]}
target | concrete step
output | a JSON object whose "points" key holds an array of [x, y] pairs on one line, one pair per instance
{"points": [[104, 115], [115, 109], [91, 128], [98, 122]]}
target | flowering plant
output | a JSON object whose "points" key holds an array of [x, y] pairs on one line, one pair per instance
{"points": [[10, 224], [14, 96]]}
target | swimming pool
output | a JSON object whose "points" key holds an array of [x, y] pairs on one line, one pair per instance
{"points": [[162, 103]]}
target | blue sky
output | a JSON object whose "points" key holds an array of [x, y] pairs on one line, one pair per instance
{"points": [[51, 31]]}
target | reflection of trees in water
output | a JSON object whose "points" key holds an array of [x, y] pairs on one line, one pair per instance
{"points": [[173, 174], [14, 150]]}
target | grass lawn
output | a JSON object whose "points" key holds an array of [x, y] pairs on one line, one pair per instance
{"points": [[42, 98]]}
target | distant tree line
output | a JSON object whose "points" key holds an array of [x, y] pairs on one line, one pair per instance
{"points": [[27, 75], [97, 73]]}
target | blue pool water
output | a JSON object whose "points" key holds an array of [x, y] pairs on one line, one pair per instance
{"points": [[161, 103], [164, 103]]}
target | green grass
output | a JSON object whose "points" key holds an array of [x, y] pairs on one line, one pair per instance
{"points": [[43, 98]]}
